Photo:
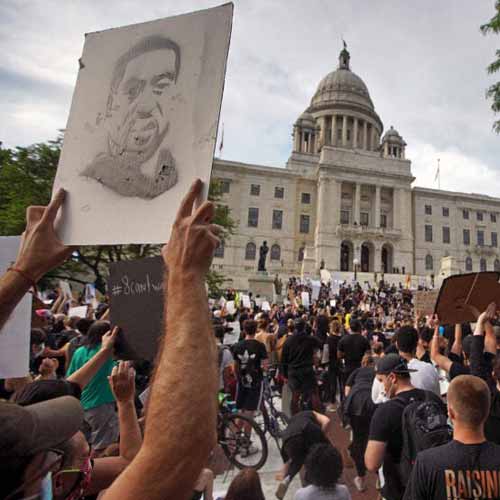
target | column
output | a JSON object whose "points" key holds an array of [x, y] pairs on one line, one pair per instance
{"points": [[386, 149], [344, 131], [365, 135], [374, 139], [395, 209], [355, 136], [377, 206], [357, 202], [377, 260], [333, 132], [322, 134], [296, 138]]}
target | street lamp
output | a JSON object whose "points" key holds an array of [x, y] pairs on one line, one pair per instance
{"points": [[356, 264]]}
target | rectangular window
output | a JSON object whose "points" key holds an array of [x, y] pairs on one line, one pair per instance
{"points": [[224, 186], [428, 232], [383, 220], [277, 219], [339, 134], [428, 209], [465, 213], [255, 189], [364, 218], [479, 216], [446, 234], [253, 217], [494, 240], [306, 198], [466, 237], [493, 217], [344, 216], [279, 192], [348, 135], [480, 238], [446, 212], [304, 224]]}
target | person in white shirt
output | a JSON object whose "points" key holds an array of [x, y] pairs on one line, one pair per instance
{"points": [[425, 377]]}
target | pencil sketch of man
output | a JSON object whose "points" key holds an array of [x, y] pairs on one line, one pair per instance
{"points": [[137, 119]]}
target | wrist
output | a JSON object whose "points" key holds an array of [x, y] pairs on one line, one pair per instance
{"points": [[31, 271], [125, 404]]}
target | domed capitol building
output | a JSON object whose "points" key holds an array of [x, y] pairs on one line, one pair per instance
{"points": [[345, 200]]}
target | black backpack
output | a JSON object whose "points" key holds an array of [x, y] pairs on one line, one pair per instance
{"points": [[424, 425]]}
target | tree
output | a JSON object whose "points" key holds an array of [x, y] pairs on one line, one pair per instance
{"points": [[26, 178], [493, 92]]}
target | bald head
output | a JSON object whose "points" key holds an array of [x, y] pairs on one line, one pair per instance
{"points": [[469, 400]]}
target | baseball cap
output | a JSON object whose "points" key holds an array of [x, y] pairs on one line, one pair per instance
{"points": [[43, 390], [27, 430], [392, 363]]}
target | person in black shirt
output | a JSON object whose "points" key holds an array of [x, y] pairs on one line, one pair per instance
{"points": [[386, 437], [351, 349], [332, 341], [467, 467], [298, 366]]}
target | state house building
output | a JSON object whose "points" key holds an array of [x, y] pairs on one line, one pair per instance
{"points": [[346, 196]]}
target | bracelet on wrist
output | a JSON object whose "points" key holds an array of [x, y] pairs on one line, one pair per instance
{"points": [[24, 274]]}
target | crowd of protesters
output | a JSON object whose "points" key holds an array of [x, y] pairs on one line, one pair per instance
{"points": [[421, 400]]}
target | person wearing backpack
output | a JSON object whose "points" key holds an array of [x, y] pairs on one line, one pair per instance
{"points": [[467, 467], [387, 433]]}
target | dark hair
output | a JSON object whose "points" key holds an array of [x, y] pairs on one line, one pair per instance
{"points": [[245, 486], [323, 466], [83, 325], [250, 327], [95, 333], [407, 339], [219, 331], [38, 336], [426, 334], [299, 325], [355, 325]]}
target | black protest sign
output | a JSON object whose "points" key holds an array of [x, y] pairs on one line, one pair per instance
{"points": [[463, 296], [136, 291]]}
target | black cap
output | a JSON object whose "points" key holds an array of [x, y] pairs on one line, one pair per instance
{"points": [[27, 430], [43, 390], [392, 363]]}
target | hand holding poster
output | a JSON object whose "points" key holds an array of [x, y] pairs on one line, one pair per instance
{"points": [[142, 126]]}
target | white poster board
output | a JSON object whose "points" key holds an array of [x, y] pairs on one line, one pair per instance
{"points": [[80, 311], [316, 287], [326, 276], [142, 126], [305, 298], [230, 308], [266, 306], [15, 335], [245, 300]]}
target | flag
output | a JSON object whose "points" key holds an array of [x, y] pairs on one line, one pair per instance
{"points": [[437, 172], [221, 145]]}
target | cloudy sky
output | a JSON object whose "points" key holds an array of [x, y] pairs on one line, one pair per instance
{"points": [[423, 62]]}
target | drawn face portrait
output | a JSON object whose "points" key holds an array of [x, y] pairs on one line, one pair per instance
{"points": [[137, 117]]}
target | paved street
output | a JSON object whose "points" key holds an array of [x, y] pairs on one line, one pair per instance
{"points": [[273, 465]]}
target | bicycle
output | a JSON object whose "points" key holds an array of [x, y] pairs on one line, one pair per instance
{"points": [[241, 449], [274, 420]]}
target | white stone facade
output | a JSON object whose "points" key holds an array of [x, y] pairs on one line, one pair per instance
{"points": [[346, 196]]}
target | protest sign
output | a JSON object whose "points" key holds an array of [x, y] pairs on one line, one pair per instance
{"points": [[462, 296], [245, 299], [142, 126], [425, 302], [136, 295], [230, 308], [15, 334], [266, 306], [316, 287], [305, 298], [326, 276], [80, 311]]}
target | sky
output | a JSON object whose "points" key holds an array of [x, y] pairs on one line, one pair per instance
{"points": [[424, 64]]}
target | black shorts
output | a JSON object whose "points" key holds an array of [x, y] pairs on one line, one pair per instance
{"points": [[248, 399]]}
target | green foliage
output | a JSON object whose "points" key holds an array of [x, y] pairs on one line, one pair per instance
{"points": [[26, 178], [493, 92]]}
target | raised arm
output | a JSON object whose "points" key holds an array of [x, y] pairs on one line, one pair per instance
{"points": [[181, 423], [86, 373], [41, 250], [456, 348], [437, 358]]}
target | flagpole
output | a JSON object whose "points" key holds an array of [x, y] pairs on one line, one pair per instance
{"points": [[439, 174]]}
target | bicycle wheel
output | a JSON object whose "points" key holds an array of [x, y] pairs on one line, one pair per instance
{"points": [[240, 449], [281, 422]]}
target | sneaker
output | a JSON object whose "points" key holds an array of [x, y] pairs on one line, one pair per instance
{"points": [[282, 488], [359, 482]]}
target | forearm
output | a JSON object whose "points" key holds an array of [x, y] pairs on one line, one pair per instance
{"points": [[130, 432], [13, 287], [456, 348], [181, 422], [85, 374], [490, 341]]}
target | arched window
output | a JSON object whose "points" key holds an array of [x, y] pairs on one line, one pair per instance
{"points": [[275, 252], [496, 265], [219, 251], [250, 251], [482, 265], [468, 264], [429, 263], [301, 254]]}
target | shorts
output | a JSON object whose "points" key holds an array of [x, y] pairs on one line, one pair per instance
{"points": [[248, 399], [103, 423], [302, 380]]}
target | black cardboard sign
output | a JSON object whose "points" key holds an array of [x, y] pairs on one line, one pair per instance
{"points": [[136, 291], [461, 294]]}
